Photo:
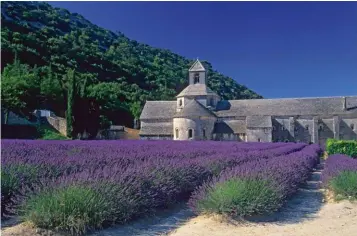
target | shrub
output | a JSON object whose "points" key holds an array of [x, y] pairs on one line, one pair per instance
{"points": [[346, 147], [240, 197], [284, 174], [335, 164], [340, 175], [134, 177], [344, 185], [73, 209], [12, 178], [49, 133]]}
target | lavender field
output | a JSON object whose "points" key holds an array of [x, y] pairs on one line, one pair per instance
{"points": [[77, 186], [340, 176]]}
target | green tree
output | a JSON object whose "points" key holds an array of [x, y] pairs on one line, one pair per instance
{"points": [[18, 82]]}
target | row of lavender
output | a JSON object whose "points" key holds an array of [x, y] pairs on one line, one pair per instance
{"points": [[256, 187], [124, 179], [340, 175]]}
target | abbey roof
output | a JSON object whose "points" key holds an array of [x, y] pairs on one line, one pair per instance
{"points": [[287, 106], [193, 109], [261, 107], [196, 90]]}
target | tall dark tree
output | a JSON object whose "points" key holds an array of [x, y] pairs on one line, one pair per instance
{"points": [[71, 78]]}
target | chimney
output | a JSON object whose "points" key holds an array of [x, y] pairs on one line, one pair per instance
{"points": [[344, 103]]}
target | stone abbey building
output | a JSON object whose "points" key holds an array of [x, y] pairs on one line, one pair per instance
{"points": [[200, 114]]}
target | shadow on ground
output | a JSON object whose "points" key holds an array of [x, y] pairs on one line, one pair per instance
{"points": [[160, 224]]}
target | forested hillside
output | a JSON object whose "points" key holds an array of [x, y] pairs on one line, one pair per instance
{"points": [[106, 76]]}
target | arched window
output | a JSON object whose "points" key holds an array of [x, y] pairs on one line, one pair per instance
{"points": [[352, 126], [180, 102], [190, 133], [196, 78], [177, 133]]}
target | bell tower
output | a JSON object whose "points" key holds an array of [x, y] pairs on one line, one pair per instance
{"points": [[197, 73], [197, 89]]}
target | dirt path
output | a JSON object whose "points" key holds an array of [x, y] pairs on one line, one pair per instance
{"points": [[306, 214]]}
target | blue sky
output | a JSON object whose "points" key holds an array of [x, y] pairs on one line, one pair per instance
{"points": [[277, 49]]}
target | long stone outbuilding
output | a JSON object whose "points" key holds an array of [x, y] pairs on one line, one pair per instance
{"points": [[199, 114]]}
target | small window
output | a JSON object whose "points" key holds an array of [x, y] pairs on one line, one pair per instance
{"points": [[306, 127], [274, 128], [321, 127], [258, 139], [177, 133], [352, 126], [196, 78], [204, 133], [282, 127], [190, 133], [180, 102], [211, 102], [296, 129]]}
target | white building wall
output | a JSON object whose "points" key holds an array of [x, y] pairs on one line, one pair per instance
{"points": [[183, 125]]}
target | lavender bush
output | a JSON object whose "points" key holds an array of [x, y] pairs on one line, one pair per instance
{"points": [[132, 178], [278, 177], [340, 175]]}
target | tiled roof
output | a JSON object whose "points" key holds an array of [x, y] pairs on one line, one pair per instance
{"points": [[194, 109], [160, 128], [258, 121], [158, 110], [196, 90], [261, 107], [286, 106], [197, 66]]}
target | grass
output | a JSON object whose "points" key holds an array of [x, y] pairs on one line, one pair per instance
{"points": [[73, 209], [241, 197], [46, 132], [344, 185]]}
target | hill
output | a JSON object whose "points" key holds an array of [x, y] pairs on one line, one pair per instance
{"points": [[114, 74]]}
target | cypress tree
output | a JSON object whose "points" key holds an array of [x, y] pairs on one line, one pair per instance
{"points": [[71, 78]]}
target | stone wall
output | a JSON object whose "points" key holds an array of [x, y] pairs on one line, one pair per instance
{"points": [[259, 135], [202, 129], [303, 130], [348, 129], [58, 123], [159, 137], [281, 129]]}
